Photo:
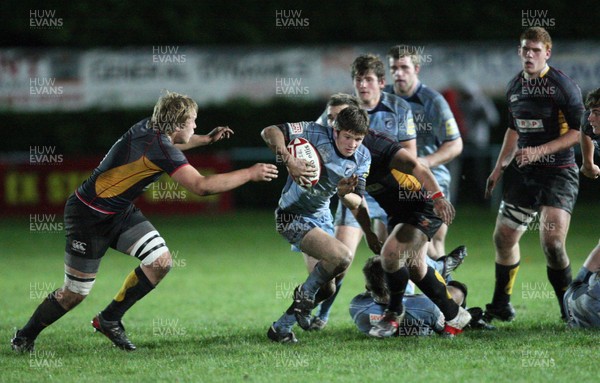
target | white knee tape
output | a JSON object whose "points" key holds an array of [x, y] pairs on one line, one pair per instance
{"points": [[149, 248], [515, 217], [81, 286]]}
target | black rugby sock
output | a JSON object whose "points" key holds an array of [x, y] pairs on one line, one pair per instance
{"points": [[560, 280], [48, 312], [434, 287], [396, 283], [505, 279], [135, 287]]}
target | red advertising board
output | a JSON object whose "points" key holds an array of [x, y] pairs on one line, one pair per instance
{"points": [[42, 187]]}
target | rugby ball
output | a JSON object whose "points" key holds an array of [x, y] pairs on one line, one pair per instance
{"points": [[304, 150]]}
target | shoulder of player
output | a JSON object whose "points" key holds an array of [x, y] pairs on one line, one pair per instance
{"points": [[559, 77], [394, 102]]}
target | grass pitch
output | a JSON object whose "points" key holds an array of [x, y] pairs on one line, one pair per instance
{"points": [[233, 275]]}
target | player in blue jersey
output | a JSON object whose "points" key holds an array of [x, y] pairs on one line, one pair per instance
{"points": [[438, 138], [537, 162], [101, 214], [303, 215], [422, 317], [387, 113], [582, 299]]}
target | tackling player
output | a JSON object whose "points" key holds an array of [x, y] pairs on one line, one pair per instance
{"points": [[303, 215], [387, 113], [101, 214], [540, 173], [416, 207], [582, 299], [438, 138]]}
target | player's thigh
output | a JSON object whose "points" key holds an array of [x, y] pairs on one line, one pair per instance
{"points": [[512, 221], [322, 246], [140, 239], [554, 224], [349, 235]]}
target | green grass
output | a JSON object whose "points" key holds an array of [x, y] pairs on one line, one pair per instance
{"points": [[233, 276]]}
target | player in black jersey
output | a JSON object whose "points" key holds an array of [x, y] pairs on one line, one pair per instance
{"points": [[415, 211], [590, 139], [101, 214], [540, 173]]}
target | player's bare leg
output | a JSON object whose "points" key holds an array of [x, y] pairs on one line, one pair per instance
{"points": [[554, 226], [333, 258]]}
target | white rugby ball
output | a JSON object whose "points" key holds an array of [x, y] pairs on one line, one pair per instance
{"points": [[304, 150]]}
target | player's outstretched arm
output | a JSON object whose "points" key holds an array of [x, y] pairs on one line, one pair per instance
{"points": [[360, 210], [588, 168], [275, 140], [201, 185], [217, 134]]}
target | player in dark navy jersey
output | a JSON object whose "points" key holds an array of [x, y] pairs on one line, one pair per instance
{"points": [[100, 214], [590, 139], [540, 173], [416, 207]]}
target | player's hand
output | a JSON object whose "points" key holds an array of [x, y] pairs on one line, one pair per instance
{"points": [[219, 133], [444, 209], [263, 172], [347, 185], [590, 170], [300, 169], [374, 243], [528, 155], [492, 181]]}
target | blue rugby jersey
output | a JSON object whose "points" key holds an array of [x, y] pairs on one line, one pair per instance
{"points": [[392, 115], [434, 124], [334, 167]]}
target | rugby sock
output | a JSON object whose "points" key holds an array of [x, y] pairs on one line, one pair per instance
{"points": [[505, 279], [396, 283], [560, 280], [316, 278], [434, 287], [285, 323], [48, 312], [135, 287], [325, 306]]}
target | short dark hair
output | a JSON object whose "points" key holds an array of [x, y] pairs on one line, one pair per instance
{"points": [[373, 272], [343, 99], [592, 100], [368, 62], [398, 51], [352, 119]]}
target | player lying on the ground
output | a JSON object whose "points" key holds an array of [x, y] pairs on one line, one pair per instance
{"points": [[422, 317], [101, 214], [582, 299]]}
